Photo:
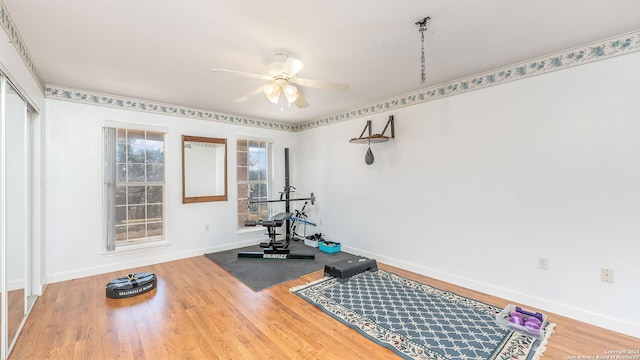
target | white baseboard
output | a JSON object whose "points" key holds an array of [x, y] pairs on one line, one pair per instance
{"points": [[586, 316], [151, 260], [40, 289], [15, 284]]}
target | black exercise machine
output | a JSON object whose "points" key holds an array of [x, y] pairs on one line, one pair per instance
{"points": [[274, 249]]}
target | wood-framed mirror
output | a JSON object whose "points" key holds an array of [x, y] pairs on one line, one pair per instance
{"points": [[204, 169]]}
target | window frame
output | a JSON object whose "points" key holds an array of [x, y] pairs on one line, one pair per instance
{"points": [[109, 215], [270, 166]]}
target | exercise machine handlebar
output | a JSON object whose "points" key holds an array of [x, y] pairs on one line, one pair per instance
{"points": [[311, 198]]}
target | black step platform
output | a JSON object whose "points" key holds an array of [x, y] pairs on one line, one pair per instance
{"points": [[343, 270]]}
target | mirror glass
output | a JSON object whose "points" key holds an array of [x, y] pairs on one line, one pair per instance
{"points": [[204, 169], [17, 206], [2, 209]]}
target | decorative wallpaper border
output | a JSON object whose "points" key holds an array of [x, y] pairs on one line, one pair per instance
{"points": [[120, 102], [615, 46], [13, 34]]}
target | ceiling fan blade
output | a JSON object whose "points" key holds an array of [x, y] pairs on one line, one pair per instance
{"points": [[292, 66], [321, 84], [245, 74], [254, 92], [301, 102]]}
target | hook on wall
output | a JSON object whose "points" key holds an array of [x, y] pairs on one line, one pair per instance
{"points": [[373, 138]]}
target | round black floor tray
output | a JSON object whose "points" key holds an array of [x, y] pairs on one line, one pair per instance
{"points": [[131, 285]]}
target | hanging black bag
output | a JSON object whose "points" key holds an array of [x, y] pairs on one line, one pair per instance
{"points": [[131, 285]]}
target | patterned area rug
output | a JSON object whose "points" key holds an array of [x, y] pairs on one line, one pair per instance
{"points": [[418, 321]]}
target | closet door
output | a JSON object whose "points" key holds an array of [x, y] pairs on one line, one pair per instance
{"points": [[3, 268], [16, 213]]}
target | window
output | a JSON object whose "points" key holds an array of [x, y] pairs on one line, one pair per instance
{"points": [[253, 162], [134, 185]]}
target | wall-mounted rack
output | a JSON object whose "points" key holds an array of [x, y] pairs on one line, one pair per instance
{"points": [[373, 138]]}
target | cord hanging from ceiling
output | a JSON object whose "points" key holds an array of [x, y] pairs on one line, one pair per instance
{"points": [[422, 28]]}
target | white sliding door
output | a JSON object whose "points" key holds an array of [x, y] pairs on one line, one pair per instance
{"points": [[16, 189]]}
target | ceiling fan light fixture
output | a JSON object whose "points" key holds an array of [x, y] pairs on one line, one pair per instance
{"points": [[272, 92], [291, 93], [283, 74]]}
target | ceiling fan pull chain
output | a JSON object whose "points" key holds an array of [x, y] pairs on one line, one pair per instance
{"points": [[423, 28]]}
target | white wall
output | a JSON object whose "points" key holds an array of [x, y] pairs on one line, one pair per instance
{"points": [[477, 186], [74, 191]]}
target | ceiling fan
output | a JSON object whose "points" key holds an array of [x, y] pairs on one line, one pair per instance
{"points": [[283, 77]]}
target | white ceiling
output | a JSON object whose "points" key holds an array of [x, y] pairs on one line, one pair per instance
{"points": [[162, 50]]}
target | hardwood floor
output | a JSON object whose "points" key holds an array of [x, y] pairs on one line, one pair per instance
{"points": [[199, 311]]}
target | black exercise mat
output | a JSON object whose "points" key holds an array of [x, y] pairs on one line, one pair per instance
{"points": [[260, 274]]}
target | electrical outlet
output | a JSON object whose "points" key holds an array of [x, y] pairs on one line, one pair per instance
{"points": [[543, 263], [606, 275]]}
